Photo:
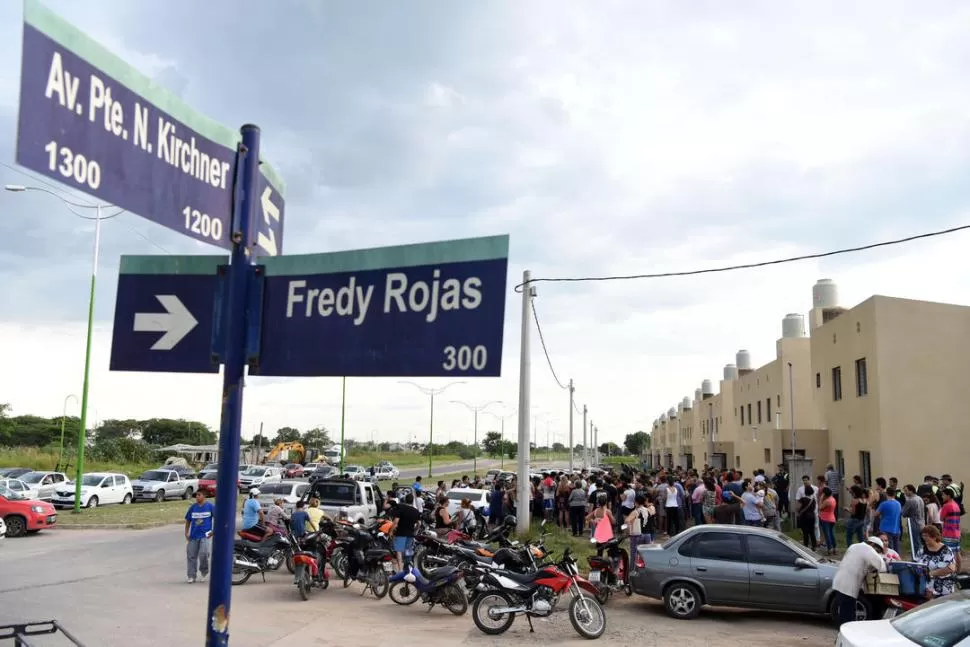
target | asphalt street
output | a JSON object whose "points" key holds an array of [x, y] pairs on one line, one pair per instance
{"points": [[484, 465], [127, 588]]}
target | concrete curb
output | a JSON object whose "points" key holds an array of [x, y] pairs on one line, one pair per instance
{"points": [[117, 526]]}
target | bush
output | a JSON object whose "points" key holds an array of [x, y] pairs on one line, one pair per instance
{"points": [[122, 450]]}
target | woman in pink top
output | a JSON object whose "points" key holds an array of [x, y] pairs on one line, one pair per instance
{"points": [[826, 518]]}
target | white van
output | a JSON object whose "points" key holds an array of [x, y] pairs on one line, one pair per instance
{"points": [[289, 491], [362, 499]]}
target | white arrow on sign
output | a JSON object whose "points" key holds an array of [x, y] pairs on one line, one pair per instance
{"points": [[176, 322], [270, 213]]}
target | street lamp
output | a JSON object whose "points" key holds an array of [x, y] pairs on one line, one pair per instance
{"points": [[431, 393], [475, 409], [60, 460], [72, 206], [502, 446]]}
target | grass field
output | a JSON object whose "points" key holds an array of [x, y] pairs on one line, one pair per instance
{"points": [[122, 515]]}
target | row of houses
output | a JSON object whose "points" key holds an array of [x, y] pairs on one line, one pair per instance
{"points": [[876, 389]]}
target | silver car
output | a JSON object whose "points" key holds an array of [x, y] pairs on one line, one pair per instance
{"points": [[737, 566]]}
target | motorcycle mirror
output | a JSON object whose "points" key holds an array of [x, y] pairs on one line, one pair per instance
{"points": [[623, 527]]}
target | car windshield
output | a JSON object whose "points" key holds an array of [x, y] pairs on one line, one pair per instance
{"points": [[945, 622], [10, 494], [254, 471], [343, 493], [154, 475], [33, 477], [458, 495], [275, 488], [208, 476], [291, 466], [92, 480]]}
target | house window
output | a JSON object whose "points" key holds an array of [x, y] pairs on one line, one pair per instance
{"points": [[767, 456], [742, 415], [750, 419], [865, 468], [737, 459], [818, 380], [768, 409], [840, 462], [778, 401], [861, 378], [837, 383], [759, 412]]}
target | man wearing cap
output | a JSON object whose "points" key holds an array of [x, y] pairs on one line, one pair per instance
{"points": [[857, 561]]}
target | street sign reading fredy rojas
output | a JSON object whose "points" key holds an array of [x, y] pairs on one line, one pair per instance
{"points": [[93, 122]]}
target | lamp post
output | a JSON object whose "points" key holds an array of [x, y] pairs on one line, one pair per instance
{"points": [[60, 459], [343, 418], [501, 453], [476, 409], [72, 206], [431, 393]]}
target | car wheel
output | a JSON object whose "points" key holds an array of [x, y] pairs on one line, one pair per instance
{"points": [[126, 500], [683, 601], [16, 526], [92, 502]]}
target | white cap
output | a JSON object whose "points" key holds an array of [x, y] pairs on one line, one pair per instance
{"points": [[875, 541]]}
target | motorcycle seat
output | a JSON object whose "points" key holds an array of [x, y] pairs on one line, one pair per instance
{"points": [[251, 536], [442, 573], [521, 578], [376, 553], [599, 562], [245, 543]]}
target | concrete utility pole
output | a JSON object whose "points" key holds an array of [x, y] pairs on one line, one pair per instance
{"points": [[431, 393], [523, 489], [572, 390], [585, 443]]}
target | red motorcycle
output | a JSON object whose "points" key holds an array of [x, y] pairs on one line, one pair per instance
{"points": [[310, 559], [610, 573], [506, 594]]}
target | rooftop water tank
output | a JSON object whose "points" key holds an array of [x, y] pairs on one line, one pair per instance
{"points": [[697, 394], [793, 325], [686, 403], [672, 413], [825, 294], [663, 418], [743, 360], [730, 372], [707, 388]]}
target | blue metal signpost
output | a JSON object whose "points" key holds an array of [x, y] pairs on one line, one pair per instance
{"points": [[432, 309], [164, 314], [91, 121]]}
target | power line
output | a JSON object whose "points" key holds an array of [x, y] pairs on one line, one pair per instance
{"points": [[747, 266], [77, 195], [542, 341]]}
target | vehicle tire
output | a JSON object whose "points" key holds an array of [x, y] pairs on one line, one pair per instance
{"points": [[291, 563], [159, 496], [683, 600], [338, 561], [603, 594], [187, 494], [126, 500], [92, 502], [587, 617], [480, 613], [379, 584], [303, 583], [453, 598], [865, 609], [404, 593], [240, 575], [627, 590], [16, 526], [280, 557]]}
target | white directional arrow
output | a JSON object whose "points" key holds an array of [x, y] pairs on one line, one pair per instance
{"points": [[270, 213], [176, 322]]}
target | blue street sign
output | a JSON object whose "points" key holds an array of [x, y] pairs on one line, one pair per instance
{"points": [[434, 309], [164, 314], [93, 122]]}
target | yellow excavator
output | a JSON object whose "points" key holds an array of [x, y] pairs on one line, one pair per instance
{"points": [[286, 453]]}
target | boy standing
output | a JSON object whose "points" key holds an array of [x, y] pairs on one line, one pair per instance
{"points": [[198, 533]]}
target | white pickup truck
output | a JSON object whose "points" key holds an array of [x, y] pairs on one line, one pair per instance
{"points": [[362, 500], [158, 485]]}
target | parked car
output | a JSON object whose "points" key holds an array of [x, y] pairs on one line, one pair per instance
{"points": [[289, 491], [479, 499], [323, 471], [184, 470], [387, 472], [207, 483], [737, 566], [22, 516], [44, 482], [3, 529], [257, 476], [21, 488], [356, 472], [506, 477], [97, 488], [362, 500], [309, 467], [14, 472], [491, 475], [944, 622], [162, 484], [292, 471]]}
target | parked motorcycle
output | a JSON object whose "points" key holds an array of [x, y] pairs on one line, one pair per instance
{"points": [[252, 554], [610, 573], [505, 594], [898, 604], [440, 587], [366, 563], [311, 560]]}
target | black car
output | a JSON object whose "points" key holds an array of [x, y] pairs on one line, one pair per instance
{"points": [[183, 470], [322, 472], [14, 472]]}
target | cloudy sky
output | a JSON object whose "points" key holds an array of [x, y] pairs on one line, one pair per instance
{"points": [[605, 138]]}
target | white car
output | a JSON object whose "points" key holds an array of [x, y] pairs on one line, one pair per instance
{"points": [[479, 499], [21, 488], [387, 473], [290, 491], [357, 472], [944, 622], [97, 488], [3, 529], [257, 476], [44, 482]]}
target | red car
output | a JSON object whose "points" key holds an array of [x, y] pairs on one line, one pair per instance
{"points": [[23, 515], [292, 471], [207, 483]]}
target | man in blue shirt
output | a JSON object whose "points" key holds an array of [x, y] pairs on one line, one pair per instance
{"points": [[890, 515], [198, 534]]}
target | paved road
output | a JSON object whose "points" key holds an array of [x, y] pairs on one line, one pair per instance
{"points": [[484, 465], [127, 588]]}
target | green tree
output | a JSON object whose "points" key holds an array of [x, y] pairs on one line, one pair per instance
{"points": [[637, 443], [317, 438], [286, 435], [610, 449], [112, 429], [492, 444], [165, 431]]}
